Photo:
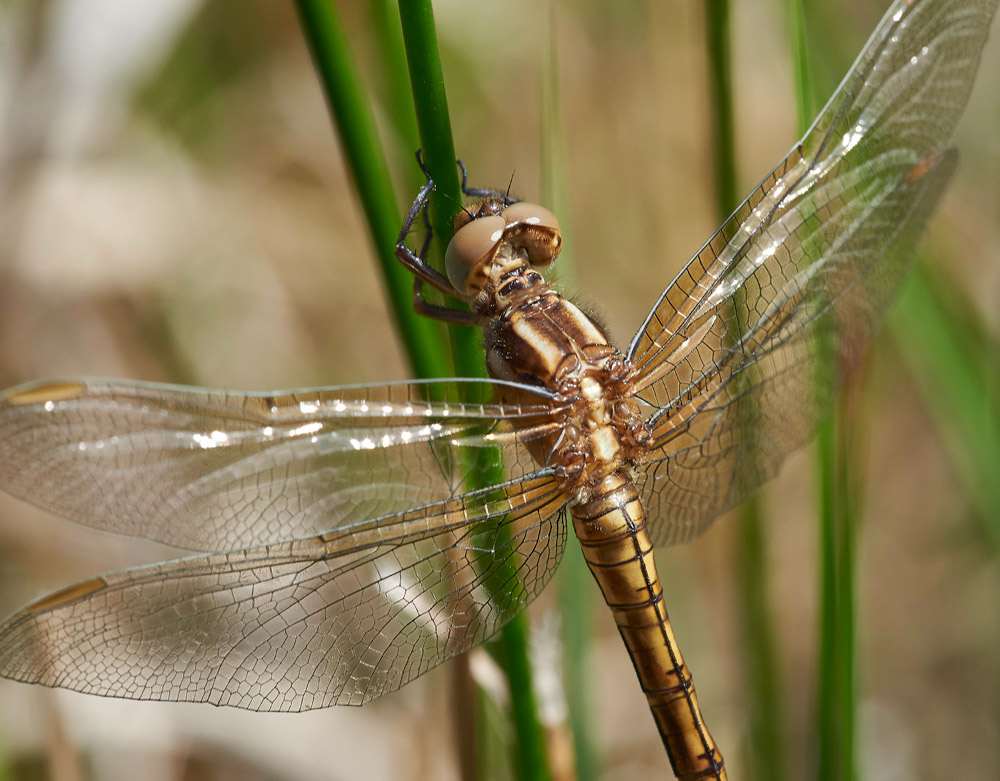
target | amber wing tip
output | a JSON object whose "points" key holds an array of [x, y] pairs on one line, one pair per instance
{"points": [[68, 594], [41, 392]]}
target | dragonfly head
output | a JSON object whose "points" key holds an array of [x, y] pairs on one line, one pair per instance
{"points": [[527, 227]]}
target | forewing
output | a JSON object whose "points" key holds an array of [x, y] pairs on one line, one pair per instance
{"points": [[336, 619], [743, 353], [215, 470]]}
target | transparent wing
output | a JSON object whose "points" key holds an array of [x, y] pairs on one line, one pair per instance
{"points": [[732, 357], [335, 619], [216, 470]]}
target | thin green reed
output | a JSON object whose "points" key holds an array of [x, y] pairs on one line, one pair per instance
{"points": [[355, 126], [353, 119], [472, 730], [837, 477], [765, 751], [434, 125], [956, 365]]}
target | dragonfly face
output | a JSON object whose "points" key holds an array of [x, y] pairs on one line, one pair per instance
{"points": [[369, 530]]}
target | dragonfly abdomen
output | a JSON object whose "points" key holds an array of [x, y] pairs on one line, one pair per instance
{"points": [[611, 527]]}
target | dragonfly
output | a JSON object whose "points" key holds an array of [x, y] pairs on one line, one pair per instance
{"points": [[345, 540]]}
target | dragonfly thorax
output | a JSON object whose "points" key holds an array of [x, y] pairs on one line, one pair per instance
{"points": [[538, 338], [605, 433]]}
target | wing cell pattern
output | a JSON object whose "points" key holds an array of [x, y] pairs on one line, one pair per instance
{"points": [[336, 619], [359, 551], [212, 470], [743, 354]]}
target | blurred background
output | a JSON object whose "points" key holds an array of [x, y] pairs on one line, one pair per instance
{"points": [[174, 207]]}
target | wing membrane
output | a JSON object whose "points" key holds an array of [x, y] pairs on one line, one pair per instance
{"points": [[216, 470], [336, 619], [799, 276]]}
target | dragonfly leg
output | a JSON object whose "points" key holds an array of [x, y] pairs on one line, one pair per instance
{"points": [[437, 312], [478, 192], [416, 262]]}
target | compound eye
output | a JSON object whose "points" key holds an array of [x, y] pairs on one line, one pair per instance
{"points": [[534, 229], [530, 214], [470, 252]]}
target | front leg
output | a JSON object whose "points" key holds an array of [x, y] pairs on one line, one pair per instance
{"points": [[422, 271], [417, 263], [447, 314]]}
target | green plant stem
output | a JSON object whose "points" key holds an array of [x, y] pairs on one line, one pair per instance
{"points": [[837, 470], [960, 388], [827, 712], [430, 102], [355, 125], [836, 474], [804, 101], [720, 78], [438, 152], [761, 676], [356, 128], [398, 97]]}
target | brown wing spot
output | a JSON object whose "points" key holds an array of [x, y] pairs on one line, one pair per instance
{"points": [[67, 594], [49, 391], [921, 169]]}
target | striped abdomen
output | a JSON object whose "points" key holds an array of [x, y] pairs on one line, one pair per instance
{"points": [[611, 528]]}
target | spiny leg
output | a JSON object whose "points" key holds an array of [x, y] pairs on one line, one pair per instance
{"points": [[422, 271]]}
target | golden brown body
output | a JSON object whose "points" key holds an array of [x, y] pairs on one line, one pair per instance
{"points": [[611, 528], [537, 337]]}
